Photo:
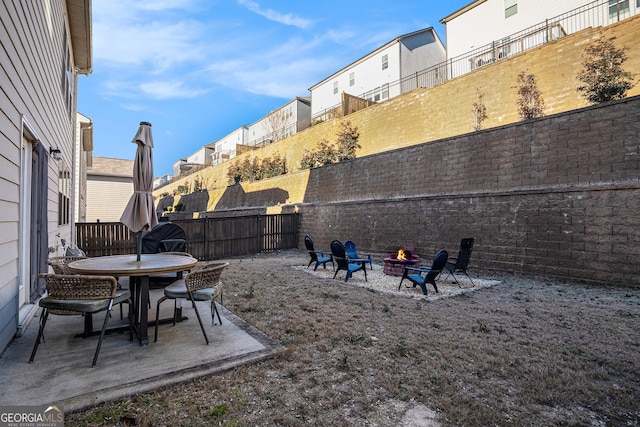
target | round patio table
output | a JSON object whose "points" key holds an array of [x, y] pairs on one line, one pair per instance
{"points": [[127, 265]]}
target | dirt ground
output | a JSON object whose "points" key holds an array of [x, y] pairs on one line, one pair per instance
{"points": [[524, 351]]}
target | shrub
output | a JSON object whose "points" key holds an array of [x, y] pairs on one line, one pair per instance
{"points": [[344, 149], [603, 76], [530, 103], [347, 142], [253, 169]]}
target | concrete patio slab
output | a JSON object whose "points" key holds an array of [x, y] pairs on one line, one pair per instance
{"points": [[62, 374]]}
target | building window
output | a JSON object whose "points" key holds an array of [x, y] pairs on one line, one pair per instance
{"points": [[618, 7], [376, 94], [352, 77], [385, 62], [510, 8], [64, 193], [385, 91], [66, 83], [335, 88]]}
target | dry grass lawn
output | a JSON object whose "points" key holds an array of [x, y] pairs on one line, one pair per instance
{"points": [[526, 351]]}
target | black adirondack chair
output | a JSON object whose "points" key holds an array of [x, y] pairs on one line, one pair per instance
{"points": [[461, 262], [319, 257], [344, 263]]}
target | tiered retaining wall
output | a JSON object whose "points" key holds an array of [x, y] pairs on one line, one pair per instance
{"points": [[557, 196]]}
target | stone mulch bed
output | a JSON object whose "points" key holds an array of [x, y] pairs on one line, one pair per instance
{"points": [[378, 281]]}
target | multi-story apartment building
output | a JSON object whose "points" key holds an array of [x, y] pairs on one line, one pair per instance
{"points": [[377, 76], [291, 118], [485, 31], [227, 147], [201, 156]]}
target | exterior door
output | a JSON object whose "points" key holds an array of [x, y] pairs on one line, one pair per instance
{"points": [[34, 216]]}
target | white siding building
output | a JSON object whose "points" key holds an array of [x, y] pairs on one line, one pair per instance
{"points": [[377, 76], [489, 30], [200, 157], [109, 188], [157, 182], [291, 118], [82, 155], [226, 147], [45, 45]]}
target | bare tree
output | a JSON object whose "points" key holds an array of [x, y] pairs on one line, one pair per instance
{"points": [[276, 124], [479, 111]]}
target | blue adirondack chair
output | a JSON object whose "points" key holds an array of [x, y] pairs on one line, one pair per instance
{"points": [[352, 253], [420, 276]]}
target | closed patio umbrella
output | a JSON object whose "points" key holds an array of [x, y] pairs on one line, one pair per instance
{"points": [[140, 214]]}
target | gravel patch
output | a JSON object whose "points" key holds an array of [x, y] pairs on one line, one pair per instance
{"points": [[380, 282]]}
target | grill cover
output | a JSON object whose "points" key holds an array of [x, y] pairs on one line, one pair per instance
{"points": [[164, 237]]}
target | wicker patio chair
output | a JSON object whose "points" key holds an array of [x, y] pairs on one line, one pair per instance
{"points": [[59, 266], [81, 294], [199, 285], [59, 263]]}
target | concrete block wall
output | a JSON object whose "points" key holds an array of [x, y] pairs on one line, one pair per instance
{"points": [[439, 112], [556, 196]]}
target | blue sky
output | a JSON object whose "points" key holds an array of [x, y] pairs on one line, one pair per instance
{"points": [[199, 69]]}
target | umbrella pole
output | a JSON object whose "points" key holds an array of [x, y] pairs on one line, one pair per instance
{"points": [[139, 245]]}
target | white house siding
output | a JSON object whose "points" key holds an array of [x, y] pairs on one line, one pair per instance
{"points": [[82, 151], [109, 188], [417, 53], [303, 115], [37, 102], [486, 22], [367, 82], [107, 196]]}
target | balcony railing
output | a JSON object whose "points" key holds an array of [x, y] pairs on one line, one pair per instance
{"points": [[594, 14]]}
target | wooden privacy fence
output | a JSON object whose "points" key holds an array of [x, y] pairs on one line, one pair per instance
{"points": [[207, 238]]}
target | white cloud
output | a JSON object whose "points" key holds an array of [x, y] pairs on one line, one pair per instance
{"points": [[146, 50], [133, 107], [272, 15], [160, 49], [169, 89], [154, 47]]}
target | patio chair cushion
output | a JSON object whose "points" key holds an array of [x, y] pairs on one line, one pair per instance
{"points": [[84, 305], [178, 289]]}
